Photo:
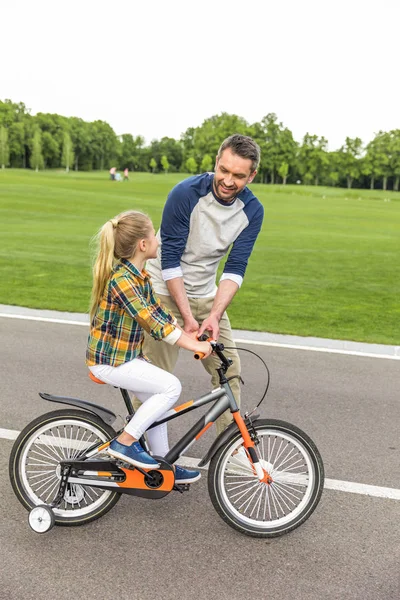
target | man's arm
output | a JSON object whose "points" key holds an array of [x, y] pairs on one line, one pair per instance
{"points": [[177, 290], [226, 291]]}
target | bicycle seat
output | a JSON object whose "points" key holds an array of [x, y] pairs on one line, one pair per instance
{"points": [[93, 378]]}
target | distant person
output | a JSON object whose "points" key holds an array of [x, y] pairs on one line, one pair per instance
{"points": [[206, 217], [123, 306], [126, 176], [113, 170], [118, 177]]}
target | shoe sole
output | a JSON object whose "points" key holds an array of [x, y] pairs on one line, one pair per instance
{"points": [[191, 480], [132, 461]]}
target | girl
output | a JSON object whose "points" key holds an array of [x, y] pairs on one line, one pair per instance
{"points": [[122, 306]]}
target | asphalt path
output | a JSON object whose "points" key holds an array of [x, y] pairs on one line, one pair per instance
{"points": [[178, 547]]}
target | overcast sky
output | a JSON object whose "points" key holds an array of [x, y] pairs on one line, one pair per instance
{"points": [[155, 68]]}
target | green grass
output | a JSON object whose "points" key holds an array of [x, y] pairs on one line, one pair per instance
{"points": [[326, 263]]}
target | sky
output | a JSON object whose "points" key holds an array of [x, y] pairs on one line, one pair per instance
{"points": [[156, 68]]}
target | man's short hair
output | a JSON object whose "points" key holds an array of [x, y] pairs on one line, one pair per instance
{"points": [[243, 146]]}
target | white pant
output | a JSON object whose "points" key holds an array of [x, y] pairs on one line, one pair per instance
{"points": [[158, 391]]}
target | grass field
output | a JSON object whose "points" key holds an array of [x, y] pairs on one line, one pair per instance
{"points": [[326, 263]]}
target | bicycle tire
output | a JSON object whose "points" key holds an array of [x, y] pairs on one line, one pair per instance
{"points": [[38, 447], [230, 474]]}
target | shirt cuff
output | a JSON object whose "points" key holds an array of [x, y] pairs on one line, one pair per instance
{"points": [[233, 277], [173, 337], [167, 274]]}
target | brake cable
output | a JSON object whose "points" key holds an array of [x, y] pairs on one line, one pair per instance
{"points": [[240, 378]]}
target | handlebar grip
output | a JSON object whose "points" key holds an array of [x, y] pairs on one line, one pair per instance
{"points": [[203, 338]]}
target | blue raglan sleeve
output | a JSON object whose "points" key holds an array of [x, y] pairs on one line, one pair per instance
{"points": [[242, 247], [175, 225]]}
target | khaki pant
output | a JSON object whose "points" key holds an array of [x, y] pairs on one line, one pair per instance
{"points": [[165, 356]]}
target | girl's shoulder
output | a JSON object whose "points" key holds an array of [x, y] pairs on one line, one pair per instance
{"points": [[123, 279]]}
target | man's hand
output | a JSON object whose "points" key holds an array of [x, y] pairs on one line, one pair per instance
{"points": [[210, 324], [191, 327]]}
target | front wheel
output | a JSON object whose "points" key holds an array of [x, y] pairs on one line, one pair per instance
{"points": [[35, 471], [267, 509]]}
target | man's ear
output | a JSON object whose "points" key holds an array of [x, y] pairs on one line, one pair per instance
{"points": [[252, 176]]}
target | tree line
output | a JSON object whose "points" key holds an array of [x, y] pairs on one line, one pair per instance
{"points": [[52, 141]]}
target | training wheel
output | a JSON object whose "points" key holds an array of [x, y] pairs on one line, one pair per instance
{"points": [[41, 518]]}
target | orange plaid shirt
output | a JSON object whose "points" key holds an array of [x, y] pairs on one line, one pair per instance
{"points": [[128, 307]]}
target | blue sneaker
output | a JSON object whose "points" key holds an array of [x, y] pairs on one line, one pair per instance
{"points": [[186, 475], [133, 454]]}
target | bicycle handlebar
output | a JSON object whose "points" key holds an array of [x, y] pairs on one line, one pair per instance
{"points": [[217, 348], [203, 338]]}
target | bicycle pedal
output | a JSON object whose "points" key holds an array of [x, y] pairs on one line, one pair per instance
{"points": [[124, 465], [181, 487]]}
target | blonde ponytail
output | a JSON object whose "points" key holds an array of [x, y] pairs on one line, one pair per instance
{"points": [[118, 238], [103, 264]]}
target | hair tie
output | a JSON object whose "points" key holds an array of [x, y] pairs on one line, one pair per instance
{"points": [[114, 223]]}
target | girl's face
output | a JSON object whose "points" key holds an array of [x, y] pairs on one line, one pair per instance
{"points": [[151, 245]]}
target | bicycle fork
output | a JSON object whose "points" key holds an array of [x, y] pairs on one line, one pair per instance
{"points": [[249, 445]]}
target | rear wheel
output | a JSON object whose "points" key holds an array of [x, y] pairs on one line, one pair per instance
{"points": [[35, 471], [261, 509]]}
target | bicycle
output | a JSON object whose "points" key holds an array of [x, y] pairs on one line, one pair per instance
{"points": [[265, 476]]}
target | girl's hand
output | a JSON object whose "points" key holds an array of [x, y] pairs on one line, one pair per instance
{"points": [[203, 349]]}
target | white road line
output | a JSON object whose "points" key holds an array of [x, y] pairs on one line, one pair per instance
{"points": [[237, 340], [330, 484], [45, 319], [9, 434], [317, 349]]}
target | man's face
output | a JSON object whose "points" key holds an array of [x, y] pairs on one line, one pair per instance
{"points": [[232, 174]]}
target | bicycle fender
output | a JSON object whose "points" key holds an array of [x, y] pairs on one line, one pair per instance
{"points": [[222, 439], [105, 414]]}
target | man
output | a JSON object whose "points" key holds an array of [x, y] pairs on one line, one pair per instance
{"points": [[204, 215]]}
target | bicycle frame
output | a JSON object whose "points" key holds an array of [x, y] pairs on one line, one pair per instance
{"points": [[224, 400]]}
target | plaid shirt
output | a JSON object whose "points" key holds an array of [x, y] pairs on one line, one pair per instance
{"points": [[128, 307]]}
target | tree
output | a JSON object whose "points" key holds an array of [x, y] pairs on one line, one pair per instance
{"points": [[191, 165], [375, 162], [55, 125], [16, 142], [171, 149], [350, 158], [50, 151], [133, 154], [81, 136], [313, 158], [104, 144], [207, 138], [36, 160], [4, 149], [206, 164], [153, 164], [15, 117], [67, 159], [164, 163], [395, 157], [334, 167], [276, 144], [283, 172]]}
